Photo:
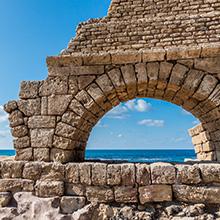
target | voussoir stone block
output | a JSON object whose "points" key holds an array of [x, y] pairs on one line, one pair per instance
{"points": [[49, 188], [126, 194], [163, 173], [197, 194], [99, 194], [210, 65], [114, 174], [128, 174], [66, 131], [87, 70], [29, 89], [99, 173], [70, 204], [155, 193], [41, 122], [22, 142]]}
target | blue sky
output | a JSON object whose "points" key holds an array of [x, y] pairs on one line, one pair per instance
{"points": [[32, 30]]}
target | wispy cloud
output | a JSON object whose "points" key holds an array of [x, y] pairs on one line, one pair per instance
{"points": [[122, 110], [4, 133], [120, 135], [184, 112], [101, 125], [152, 123], [178, 139], [3, 115], [196, 122]]}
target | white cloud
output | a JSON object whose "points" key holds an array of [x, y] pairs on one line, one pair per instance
{"points": [[121, 111], [3, 114], [178, 139], [101, 125], [151, 123], [139, 105], [196, 122], [120, 135]]}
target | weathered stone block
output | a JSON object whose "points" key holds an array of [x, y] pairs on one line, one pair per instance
{"points": [[163, 173], [29, 89], [210, 65], [22, 142], [143, 176], [97, 59], [72, 173], [64, 143], [66, 131], [85, 173], [99, 174], [19, 131], [126, 194], [155, 193], [10, 106], [57, 104], [128, 73], [41, 122], [210, 173], [153, 55], [142, 78], [114, 174], [42, 138], [84, 81], [70, 204], [75, 189], [197, 194], [188, 174], [16, 185], [87, 70], [11, 169], [61, 156], [41, 154], [25, 154], [99, 194], [16, 118], [32, 170], [49, 188], [125, 58], [128, 174], [54, 85], [30, 107], [52, 171]]}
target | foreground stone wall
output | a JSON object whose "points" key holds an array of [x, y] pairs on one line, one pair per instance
{"points": [[87, 182]]}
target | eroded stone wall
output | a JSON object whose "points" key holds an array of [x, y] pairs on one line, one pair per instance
{"points": [[136, 183]]}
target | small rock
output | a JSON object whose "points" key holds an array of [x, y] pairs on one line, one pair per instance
{"points": [[5, 198]]}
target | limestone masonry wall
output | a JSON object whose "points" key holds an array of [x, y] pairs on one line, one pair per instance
{"points": [[113, 182], [140, 24]]}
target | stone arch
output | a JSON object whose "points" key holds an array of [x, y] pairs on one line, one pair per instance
{"points": [[53, 119]]}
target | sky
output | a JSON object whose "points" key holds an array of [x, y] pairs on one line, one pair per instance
{"points": [[32, 30]]}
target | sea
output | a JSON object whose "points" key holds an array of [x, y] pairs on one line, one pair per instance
{"points": [[147, 156]]}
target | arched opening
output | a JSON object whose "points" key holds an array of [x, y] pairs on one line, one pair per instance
{"points": [[143, 130]]}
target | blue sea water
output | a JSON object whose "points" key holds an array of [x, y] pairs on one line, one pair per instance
{"points": [[132, 155]]}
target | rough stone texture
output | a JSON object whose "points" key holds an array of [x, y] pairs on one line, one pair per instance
{"points": [[126, 194], [163, 173], [5, 198], [152, 49], [70, 204], [155, 193]]}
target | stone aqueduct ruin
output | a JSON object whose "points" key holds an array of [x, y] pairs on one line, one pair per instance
{"points": [[168, 50], [141, 49]]}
